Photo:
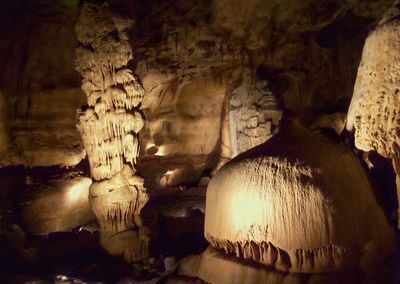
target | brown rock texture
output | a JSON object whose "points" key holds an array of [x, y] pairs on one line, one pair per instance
{"points": [[39, 86], [61, 205], [182, 130], [213, 266]]}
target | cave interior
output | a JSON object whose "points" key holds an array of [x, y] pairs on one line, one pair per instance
{"points": [[199, 141]]}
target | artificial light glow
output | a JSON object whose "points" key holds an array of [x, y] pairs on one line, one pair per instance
{"points": [[149, 145], [161, 151], [77, 193], [168, 177], [152, 149], [252, 208]]}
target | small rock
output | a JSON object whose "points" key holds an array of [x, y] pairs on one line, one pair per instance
{"points": [[169, 263], [235, 101], [204, 181], [252, 122]]}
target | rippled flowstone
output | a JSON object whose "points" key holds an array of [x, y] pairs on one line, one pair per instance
{"points": [[298, 203], [214, 266]]}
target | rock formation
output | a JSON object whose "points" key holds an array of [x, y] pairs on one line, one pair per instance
{"points": [[39, 85], [308, 67], [204, 82], [109, 127], [299, 203], [209, 265], [181, 137], [254, 114], [374, 112], [70, 192]]}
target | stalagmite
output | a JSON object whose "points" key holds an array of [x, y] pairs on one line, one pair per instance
{"points": [[109, 128], [298, 203], [374, 112]]}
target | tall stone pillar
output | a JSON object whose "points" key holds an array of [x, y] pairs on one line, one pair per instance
{"points": [[109, 126]]}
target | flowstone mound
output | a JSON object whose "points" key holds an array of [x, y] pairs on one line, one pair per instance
{"points": [[298, 203]]}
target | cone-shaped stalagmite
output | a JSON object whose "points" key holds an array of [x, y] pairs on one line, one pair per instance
{"points": [[109, 128]]}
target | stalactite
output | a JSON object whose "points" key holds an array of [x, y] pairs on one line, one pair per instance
{"points": [[110, 125]]}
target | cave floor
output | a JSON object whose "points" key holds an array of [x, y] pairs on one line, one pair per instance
{"points": [[76, 257]]}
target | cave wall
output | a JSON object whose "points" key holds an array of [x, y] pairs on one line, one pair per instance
{"points": [[190, 56], [40, 88], [182, 134], [305, 56]]}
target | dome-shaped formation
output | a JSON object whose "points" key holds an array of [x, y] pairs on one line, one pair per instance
{"points": [[299, 203]]}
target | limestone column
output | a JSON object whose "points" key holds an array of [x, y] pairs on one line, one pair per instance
{"points": [[109, 126]]}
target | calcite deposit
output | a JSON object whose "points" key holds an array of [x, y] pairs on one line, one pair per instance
{"points": [[109, 126], [214, 266], [299, 203], [254, 114], [374, 112], [182, 130]]}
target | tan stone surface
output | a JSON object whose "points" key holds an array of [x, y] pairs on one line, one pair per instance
{"points": [[300, 203], [60, 206], [109, 127], [374, 113]]}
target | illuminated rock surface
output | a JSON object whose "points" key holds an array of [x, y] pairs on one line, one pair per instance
{"points": [[254, 115], [299, 203], [214, 266], [109, 128], [374, 112], [39, 86], [60, 206], [182, 130]]}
